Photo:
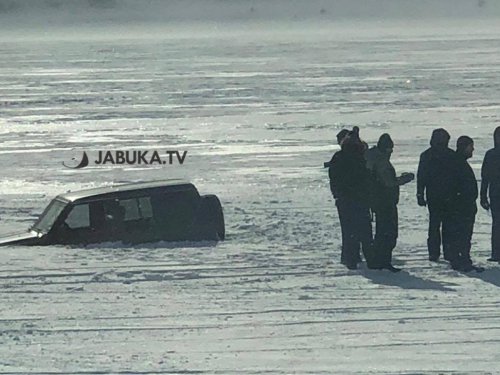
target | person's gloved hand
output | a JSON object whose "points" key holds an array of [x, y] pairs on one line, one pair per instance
{"points": [[421, 201], [485, 204], [406, 177]]}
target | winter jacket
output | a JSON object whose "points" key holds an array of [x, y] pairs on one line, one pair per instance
{"points": [[384, 185], [490, 177], [349, 177], [465, 201], [437, 175]]}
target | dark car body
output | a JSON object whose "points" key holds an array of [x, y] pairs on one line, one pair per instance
{"points": [[133, 213]]}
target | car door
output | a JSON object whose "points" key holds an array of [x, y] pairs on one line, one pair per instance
{"points": [[82, 223], [74, 225]]}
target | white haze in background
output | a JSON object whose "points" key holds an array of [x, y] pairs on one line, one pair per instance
{"points": [[61, 12], [112, 19]]}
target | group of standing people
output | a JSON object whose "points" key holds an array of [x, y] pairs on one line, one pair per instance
{"points": [[364, 183], [447, 185]]}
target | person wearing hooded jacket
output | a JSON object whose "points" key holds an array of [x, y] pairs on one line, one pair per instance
{"points": [[490, 183], [436, 173], [384, 198], [349, 180], [464, 208]]}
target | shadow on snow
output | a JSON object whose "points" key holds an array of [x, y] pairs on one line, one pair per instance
{"points": [[490, 275], [405, 280]]}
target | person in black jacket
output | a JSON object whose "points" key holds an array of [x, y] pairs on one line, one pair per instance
{"points": [[340, 137], [384, 200], [436, 172], [349, 181], [464, 208], [490, 179]]}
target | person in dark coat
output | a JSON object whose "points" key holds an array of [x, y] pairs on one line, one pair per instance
{"points": [[490, 180], [349, 180], [464, 208], [340, 137], [436, 171], [384, 198]]}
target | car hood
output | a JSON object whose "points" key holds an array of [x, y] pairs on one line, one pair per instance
{"points": [[17, 238]]}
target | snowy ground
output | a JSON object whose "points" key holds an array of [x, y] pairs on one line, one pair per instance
{"points": [[257, 108]]}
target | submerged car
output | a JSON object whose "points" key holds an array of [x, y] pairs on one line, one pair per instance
{"points": [[133, 213]]}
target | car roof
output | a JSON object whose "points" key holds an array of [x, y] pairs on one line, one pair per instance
{"points": [[100, 192]]}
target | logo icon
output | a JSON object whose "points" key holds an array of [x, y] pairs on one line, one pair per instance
{"points": [[83, 163]]}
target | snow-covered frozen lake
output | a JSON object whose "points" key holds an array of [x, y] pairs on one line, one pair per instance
{"points": [[257, 107]]}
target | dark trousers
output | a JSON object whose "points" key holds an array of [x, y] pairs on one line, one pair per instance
{"points": [[461, 229], [355, 221], [495, 232], [356, 248], [386, 234], [439, 226]]}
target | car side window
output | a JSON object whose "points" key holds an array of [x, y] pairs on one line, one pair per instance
{"points": [[79, 217], [145, 209], [131, 209], [136, 208], [114, 212]]}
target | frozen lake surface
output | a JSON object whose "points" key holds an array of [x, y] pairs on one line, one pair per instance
{"points": [[257, 107]]}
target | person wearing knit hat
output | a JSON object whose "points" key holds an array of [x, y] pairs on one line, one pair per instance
{"points": [[464, 208], [385, 142], [341, 135], [490, 187], [340, 138], [354, 133], [384, 198], [435, 175]]}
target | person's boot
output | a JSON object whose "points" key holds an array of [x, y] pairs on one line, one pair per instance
{"points": [[458, 265], [479, 269], [467, 268]]}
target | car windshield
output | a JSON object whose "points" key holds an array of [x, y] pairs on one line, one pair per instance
{"points": [[49, 216]]}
